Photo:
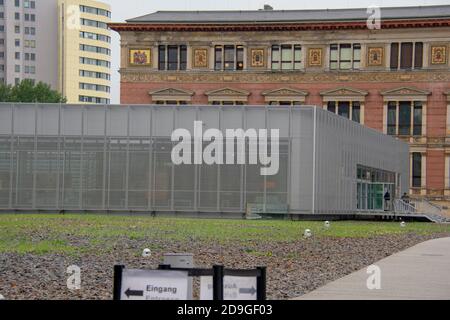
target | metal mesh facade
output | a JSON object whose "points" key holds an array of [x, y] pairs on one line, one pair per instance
{"points": [[83, 157]]}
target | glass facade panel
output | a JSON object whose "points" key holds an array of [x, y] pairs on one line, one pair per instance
{"points": [[119, 158]]}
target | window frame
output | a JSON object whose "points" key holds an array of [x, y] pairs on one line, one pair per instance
{"points": [[236, 63], [296, 65], [354, 46], [333, 106], [414, 125], [180, 61], [397, 59]]}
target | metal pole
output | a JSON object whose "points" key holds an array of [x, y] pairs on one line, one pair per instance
{"points": [[118, 270], [218, 282], [261, 284]]}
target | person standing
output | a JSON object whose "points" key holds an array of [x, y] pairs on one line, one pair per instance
{"points": [[387, 201]]}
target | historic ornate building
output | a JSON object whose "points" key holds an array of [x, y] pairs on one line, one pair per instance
{"points": [[395, 79]]}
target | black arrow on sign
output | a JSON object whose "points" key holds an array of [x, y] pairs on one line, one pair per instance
{"points": [[250, 291], [135, 293]]}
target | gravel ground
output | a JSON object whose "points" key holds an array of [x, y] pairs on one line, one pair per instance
{"points": [[294, 268]]}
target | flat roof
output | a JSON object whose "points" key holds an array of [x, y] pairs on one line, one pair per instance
{"points": [[267, 16]]}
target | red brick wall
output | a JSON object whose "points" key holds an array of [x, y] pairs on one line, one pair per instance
{"points": [[435, 169], [137, 93]]}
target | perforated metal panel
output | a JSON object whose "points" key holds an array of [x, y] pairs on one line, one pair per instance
{"points": [[95, 157]]}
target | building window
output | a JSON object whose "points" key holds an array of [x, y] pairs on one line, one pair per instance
{"points": [[17, 68], [404, 118], [406, 55], [17, 29], [17, 16], [89, 99], [287, 57], [17, 42], [96, 11], [345, 56], [95, 62], [17, 55], [17, 3], [94, 74], [93, 23], [416, 170], [102, 50], [286, 103], [228, 58], [347, 109], [172, 57], [227, 103], [95, 87], [171, 102], [95, 36]]}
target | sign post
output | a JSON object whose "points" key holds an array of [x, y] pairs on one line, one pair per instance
{"points": [[169, 283], [150, 284]]}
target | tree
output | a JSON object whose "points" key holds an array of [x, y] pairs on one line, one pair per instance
{"points": [[27, 91]]}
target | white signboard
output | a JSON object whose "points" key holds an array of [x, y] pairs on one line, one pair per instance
{"points": [[234, 288], [154, 285]]}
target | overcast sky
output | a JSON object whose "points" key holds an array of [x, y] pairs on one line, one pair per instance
{"points": [[125, 9]]}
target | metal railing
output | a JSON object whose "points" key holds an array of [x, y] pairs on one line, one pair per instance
{"points": [[401, 206]]}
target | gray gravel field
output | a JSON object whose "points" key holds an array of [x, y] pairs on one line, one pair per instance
{"points": [[294, 268]]}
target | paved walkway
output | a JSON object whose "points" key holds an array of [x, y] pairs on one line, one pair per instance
{"points": [[420, 272]]}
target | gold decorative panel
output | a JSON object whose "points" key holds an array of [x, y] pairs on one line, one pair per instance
{"points": [[315, 57], [438, 54], [140, 57], [257, 56], [375, 57], [200, 58]]}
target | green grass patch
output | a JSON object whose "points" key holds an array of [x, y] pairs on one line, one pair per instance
{"points": [[79, 233]]}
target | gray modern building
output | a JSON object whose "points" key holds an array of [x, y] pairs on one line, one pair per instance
{"points": [[119, 158], [28, 41]]}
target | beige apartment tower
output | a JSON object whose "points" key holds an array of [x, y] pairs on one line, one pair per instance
{"points": [[84, 50]]}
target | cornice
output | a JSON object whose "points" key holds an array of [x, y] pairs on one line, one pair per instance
{"points": [[242, 27]]}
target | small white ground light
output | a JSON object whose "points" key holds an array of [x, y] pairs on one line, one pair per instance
{"points": [[403, 224], [307, 233], [146, 253], [327, 224]]}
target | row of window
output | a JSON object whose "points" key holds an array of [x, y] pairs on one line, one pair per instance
{"points": [[95, 62], [90, 99], [93, 23], [27, 16], [96, 11], [95, 36], [344, 56], [26, 3], [94, 87], [28, 30], [94, 74], [27, 56], [89, 48]]}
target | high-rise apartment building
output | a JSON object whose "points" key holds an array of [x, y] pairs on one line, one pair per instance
{"points": [[84, 51], [27, 41], [65, 43]]}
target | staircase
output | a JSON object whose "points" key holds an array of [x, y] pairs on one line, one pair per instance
{"points": [[433, 211]]}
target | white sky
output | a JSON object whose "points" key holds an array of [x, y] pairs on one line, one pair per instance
{"points": [[126, 9]]}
